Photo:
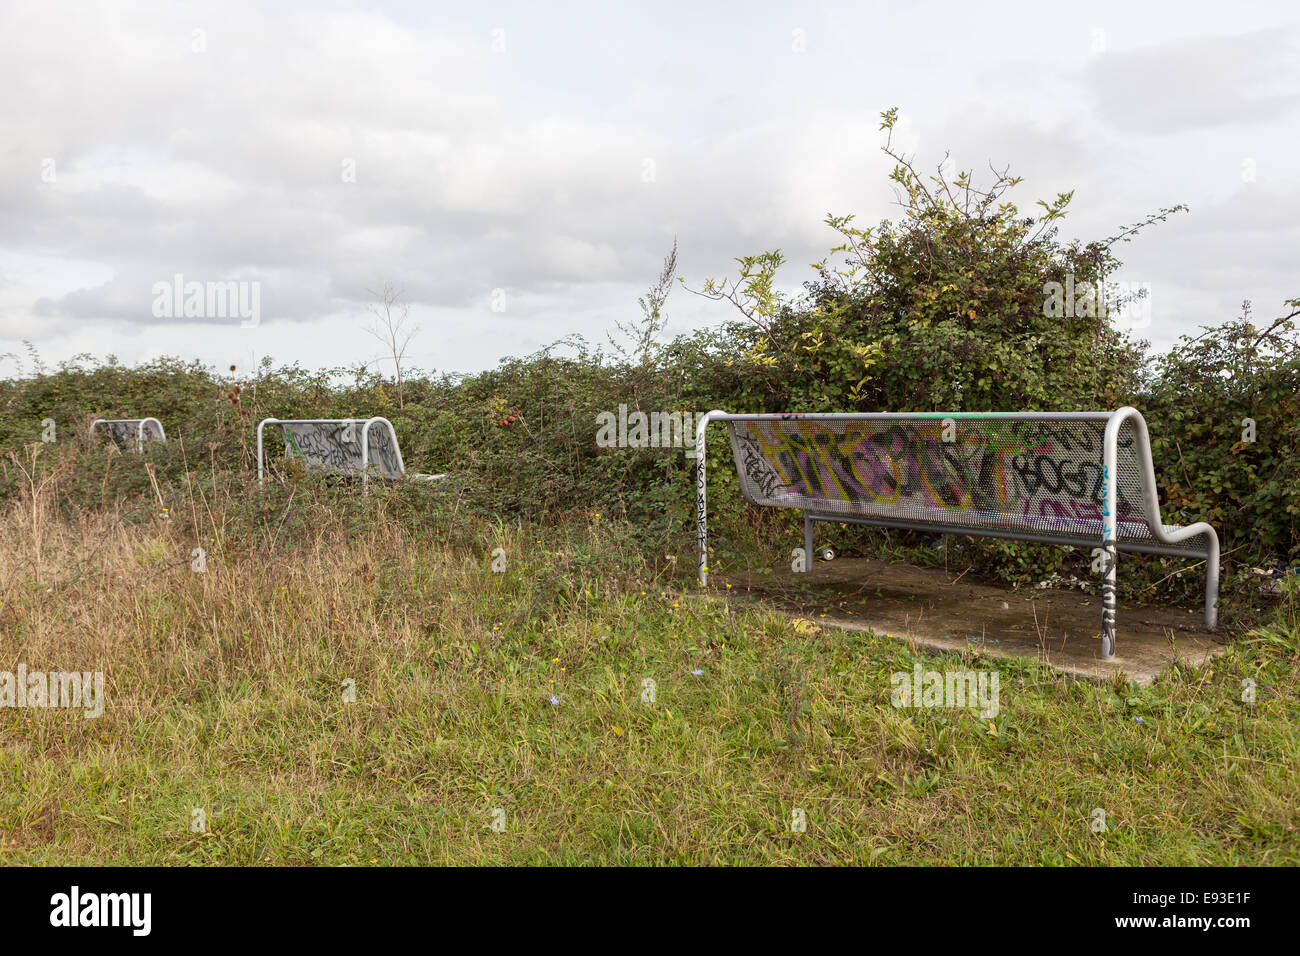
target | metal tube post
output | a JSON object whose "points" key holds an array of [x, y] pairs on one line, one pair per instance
{"points": [[260, 425], [1110, 550], [701, 501], [807, 542], [1212, 584]]}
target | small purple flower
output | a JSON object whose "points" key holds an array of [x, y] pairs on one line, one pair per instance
{"points": [[1139, 720], [697, 673], [555, 701]]}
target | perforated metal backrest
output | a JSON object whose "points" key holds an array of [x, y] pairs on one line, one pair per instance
{"points": [[336, 446], [133, 430], [1036, 476]]}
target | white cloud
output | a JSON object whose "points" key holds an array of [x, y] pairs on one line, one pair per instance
{"points": [[322, 152]]}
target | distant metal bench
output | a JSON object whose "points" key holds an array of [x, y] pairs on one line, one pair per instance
{"points": [[1070, 478], [140, 430], [348, 446]]}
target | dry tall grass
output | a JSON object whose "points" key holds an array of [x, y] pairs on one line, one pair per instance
{"points": [[348, 681]]}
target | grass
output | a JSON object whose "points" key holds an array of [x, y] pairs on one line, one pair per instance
{"points": [[225, 693]]}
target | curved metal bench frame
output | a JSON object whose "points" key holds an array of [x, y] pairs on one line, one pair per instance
{"points": [[1172, 540], [139, 424], [365, 424]]}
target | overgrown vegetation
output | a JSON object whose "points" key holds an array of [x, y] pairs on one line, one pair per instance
{"points": [[574, 699], [942, 309], [1226, 404]]}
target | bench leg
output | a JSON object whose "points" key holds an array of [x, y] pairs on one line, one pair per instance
{"points": [[807, 542], [1111, 557], [1212, 584]]}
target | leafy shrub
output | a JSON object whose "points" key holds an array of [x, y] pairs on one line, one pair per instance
{"points": [[1224, 409]]}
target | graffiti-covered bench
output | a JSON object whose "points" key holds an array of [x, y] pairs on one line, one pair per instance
{"points": [[1072, 478], [346, 446], [138, 430]]}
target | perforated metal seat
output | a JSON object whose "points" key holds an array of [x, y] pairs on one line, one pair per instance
{"points": [[138, 430], [347, 446]]}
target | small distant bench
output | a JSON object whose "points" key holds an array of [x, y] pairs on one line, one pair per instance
{"points": [[139, 430], [346, 446], [1071, 478]]}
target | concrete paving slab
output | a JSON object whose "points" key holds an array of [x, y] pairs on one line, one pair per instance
{"points": [[951, 611]]}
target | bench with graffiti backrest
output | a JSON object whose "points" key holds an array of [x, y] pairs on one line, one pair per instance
{"points": [[138, 430], [1073, 478], [344, 446]]}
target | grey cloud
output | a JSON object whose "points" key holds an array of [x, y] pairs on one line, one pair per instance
{"points": [[524, 172], [1198, 82]]}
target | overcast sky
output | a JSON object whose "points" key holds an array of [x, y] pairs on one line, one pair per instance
{"points": [[519, 170]]}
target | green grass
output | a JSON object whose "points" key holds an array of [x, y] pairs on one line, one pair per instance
{"points": [[225, 692]]}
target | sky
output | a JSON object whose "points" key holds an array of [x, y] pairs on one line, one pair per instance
{"points": [[519, 171]]}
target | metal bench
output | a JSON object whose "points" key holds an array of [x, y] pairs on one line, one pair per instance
{"points": [[1072, 478], [348, 446], [126, 429]]}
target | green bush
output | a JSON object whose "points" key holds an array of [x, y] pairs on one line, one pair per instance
{"points": [[948, 309], [1224, 411]]}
